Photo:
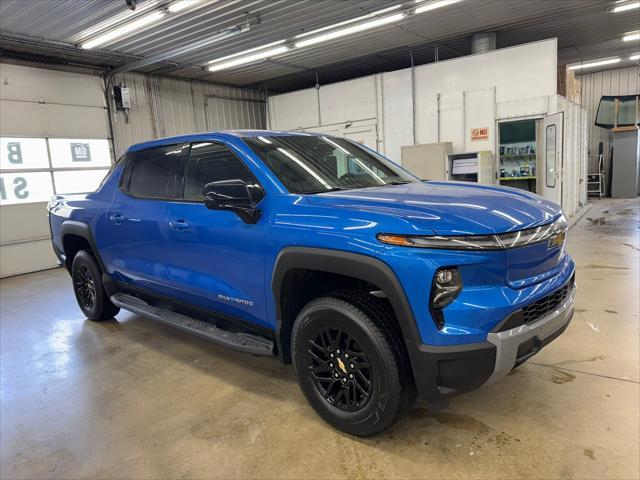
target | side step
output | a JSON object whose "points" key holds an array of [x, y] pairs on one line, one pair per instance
{"points": [[245, 342]]}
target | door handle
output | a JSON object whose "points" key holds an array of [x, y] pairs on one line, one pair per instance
{"points": [[179, 225], [116, 219]]}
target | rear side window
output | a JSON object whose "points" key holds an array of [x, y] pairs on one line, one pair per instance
{"points": [[154, 173], [212, 162]]}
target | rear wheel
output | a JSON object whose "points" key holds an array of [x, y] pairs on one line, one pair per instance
{"points": [[87, 285], [351, 364]]}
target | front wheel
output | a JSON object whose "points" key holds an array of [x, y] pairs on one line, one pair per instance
{"points": [[351, 364], [87, 285]]}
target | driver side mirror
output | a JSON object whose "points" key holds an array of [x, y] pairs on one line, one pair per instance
{"points": [[231, 195]]}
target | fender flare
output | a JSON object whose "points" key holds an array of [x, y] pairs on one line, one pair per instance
{"points": [[72, 227], [360, 266]]}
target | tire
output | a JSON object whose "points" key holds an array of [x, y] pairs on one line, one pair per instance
{"points": [[367, 385], [87, 286]]}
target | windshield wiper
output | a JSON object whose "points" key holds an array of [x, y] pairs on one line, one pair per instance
{"points": [[324, 190], [399, 182]]}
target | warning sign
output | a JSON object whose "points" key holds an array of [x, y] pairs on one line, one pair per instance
{"points": [[479, 134]]}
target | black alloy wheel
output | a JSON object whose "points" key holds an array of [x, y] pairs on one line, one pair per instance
{"points": [[340, 369]]}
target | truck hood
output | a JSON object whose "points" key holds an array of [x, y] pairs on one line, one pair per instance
{"points": [[448, 208]]}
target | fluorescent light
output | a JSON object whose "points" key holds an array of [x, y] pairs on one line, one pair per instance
{"points": [[249, 59], [625, 7], [244, 52], [346, 22], [433, 5], [594, 64], [116, 19], [350, 30], [629, 37], [181, 5], [123, 30], [635, 56]]}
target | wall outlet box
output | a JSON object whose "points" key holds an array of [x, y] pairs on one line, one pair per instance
{"points": [[121, 97]]}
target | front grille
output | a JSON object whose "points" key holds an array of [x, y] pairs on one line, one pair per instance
{"points": [[548, 304]]}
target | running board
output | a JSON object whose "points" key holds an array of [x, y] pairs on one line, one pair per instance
{"points": [[244, 342]]}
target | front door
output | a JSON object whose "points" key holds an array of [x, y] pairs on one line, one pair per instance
{"points": [[551, 176], [217, 260]]}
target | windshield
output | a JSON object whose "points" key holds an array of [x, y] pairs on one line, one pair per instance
{"points": [[310, 164]]}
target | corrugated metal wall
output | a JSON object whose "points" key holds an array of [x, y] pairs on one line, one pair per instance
{"points": [[164, 107], [623, 81]]}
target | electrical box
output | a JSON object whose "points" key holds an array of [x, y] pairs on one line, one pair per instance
{"points": [[427, 161], [121, 97], [471, 167]]}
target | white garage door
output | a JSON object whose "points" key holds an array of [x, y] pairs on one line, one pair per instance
{"points": [[53, 139]]}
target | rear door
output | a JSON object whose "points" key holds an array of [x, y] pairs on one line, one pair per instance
{"points": [[134, 246], [552, 136], [217, 260]]}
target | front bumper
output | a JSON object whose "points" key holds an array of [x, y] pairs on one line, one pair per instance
{"points": [[445, 371]]}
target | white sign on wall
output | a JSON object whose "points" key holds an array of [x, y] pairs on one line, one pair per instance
{"points": [[25, 187], [79, 153], [23, 153]]}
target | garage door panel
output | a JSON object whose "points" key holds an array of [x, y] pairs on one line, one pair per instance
{"points": [[20, 222], [50, 86], [26, 257], [34, 120]]}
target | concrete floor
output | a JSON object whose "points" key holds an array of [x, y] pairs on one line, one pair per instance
{"points": [[134, 399]]}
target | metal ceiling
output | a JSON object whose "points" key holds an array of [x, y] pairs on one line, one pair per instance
{"points": [[50, 30]]}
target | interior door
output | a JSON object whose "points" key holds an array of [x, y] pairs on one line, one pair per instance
{"points": [[551, 176], [217, 260]]}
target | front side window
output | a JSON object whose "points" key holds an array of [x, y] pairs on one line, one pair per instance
{"points": [[314, 164], [153, 173], [212, 162]]}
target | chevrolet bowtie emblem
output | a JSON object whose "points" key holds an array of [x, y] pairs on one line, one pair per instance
{"points": [[341, 365]]}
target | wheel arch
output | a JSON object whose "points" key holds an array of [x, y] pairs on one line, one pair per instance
{"points": [[346, 264]]}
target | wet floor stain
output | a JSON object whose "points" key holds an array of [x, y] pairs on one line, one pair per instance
{"points": [[460, 422], [589, 453], [560, 377], [579, 360], [609, 311], [632, 246]]}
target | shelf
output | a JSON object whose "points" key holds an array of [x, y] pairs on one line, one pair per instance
{"points": [[517, 178], [511, 156]]}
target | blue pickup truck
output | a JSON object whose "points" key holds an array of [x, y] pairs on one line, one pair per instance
{"points": [[380, 288]]}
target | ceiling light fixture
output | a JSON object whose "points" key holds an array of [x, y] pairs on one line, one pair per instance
{"points": [[332, 33], [123, 30], [625, 7], [433, 5], [244, 52], [346, 22], [629, 37], [351, 30], [248, 59], [635, 56], [597, 63], [119, 18], [181, 5]]}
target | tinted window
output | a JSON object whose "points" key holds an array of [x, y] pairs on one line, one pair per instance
{"points": [[212, 162], [314, 164], [153, 172]]}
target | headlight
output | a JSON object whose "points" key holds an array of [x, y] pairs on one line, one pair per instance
{"points": [[446, 286], [500, 241]]}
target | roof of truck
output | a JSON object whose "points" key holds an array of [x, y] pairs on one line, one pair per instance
{"points": [[199, 137]]}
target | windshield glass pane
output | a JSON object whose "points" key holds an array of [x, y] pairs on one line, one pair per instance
{"points": [[310, 164]]}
